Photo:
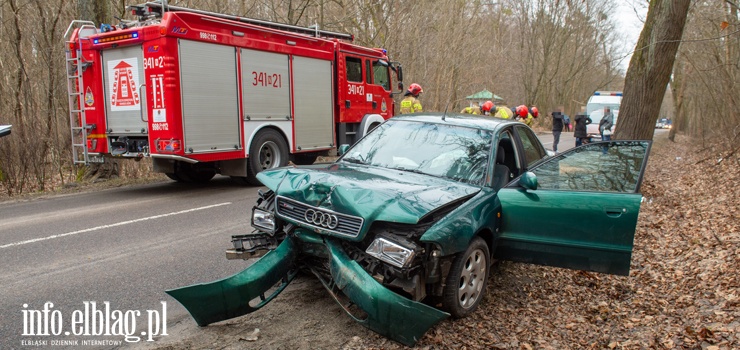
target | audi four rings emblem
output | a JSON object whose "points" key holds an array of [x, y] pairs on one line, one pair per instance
{"points": [[322, 219]]}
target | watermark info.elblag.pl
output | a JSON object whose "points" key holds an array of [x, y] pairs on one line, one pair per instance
{"points": [[88, 324]]}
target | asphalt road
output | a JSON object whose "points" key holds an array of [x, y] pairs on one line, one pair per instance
{"points": [[124, 246], [121, 249]]}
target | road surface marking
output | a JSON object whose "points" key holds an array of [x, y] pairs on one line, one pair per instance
{"points": [[111, 225]]}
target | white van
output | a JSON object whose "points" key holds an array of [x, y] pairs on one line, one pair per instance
{"points": [[595, 109]]}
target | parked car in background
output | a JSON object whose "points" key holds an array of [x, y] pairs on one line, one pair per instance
{"points": [[663, 123], [403, 227], [5, 130]]}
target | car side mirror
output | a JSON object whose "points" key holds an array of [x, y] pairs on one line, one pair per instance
{"points": [[342, 149], [528, 181]]}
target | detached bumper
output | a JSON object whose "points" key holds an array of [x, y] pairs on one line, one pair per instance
{"points": [[385, 312], [230, 297]]}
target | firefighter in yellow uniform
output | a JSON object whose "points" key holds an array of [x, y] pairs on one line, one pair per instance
{"points": [[410, 103], [523, 115], [474, 109], [503, 112]]}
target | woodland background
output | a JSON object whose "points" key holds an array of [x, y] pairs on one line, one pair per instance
{"points": [[540, 52]]}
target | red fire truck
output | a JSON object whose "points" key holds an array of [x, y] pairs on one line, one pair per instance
{"points": [[203, 93]]}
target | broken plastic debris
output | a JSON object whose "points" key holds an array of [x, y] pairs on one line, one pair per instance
{"points": [[252, 336]]}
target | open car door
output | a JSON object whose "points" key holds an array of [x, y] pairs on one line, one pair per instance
{"points": [[576, 210]]}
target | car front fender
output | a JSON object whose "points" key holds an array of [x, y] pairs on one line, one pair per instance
{"points": [[452, 233]]}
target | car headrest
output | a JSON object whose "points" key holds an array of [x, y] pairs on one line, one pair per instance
{"points": [[500, 155]]}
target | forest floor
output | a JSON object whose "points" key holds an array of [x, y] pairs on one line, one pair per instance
{"points": [[683, 290]]}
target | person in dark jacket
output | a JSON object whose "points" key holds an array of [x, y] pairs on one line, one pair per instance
{"points": [[557, 127], [580, 132], [605, 127]]}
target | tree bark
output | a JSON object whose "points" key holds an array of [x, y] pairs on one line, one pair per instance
{"points": [[678, 86], [650, 68]]}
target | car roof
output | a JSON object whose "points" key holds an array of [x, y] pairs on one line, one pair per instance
{"points": [[456, 119]]}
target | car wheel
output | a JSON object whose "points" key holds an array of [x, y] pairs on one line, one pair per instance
{"points": [[466, 282], [267, 151]]}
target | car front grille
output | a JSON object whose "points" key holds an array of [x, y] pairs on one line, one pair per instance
{"points": [[333, 222]]}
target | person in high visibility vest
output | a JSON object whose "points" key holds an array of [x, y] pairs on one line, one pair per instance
{"points": [[523, 115], [410, 103], [474, 109], [503, 112]]}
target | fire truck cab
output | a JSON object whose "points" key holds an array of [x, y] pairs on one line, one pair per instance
{"points": [[203, 93]]}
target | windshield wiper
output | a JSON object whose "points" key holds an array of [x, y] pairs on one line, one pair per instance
{"points": [[415, 171], [352, 160]]}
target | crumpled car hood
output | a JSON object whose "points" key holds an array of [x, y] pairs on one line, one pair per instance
{"points": [[372, 193]]}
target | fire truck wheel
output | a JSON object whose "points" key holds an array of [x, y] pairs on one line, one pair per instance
{"points": [[185, 172], [267, 151], [305, 158], [173, 177], [202, 176]]}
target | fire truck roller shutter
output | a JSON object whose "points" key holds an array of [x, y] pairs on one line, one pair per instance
{"points": [[123, 74], [369, 122], [265, 86], [210, 98], [312, 96]]}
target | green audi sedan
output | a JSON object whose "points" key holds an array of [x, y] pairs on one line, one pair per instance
{"points": [[403, 227]]}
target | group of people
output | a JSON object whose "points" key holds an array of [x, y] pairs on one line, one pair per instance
{"points": [[411, 104], [560, 120], [521, 113]]}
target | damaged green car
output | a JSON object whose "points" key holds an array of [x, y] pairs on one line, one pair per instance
{"points": [[403, 227]]}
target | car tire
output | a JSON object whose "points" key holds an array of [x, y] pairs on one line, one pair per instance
{"points": [[466, 282], [267, 151]]}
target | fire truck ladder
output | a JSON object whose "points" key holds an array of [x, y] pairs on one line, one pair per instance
{"points": [[158, 6], [75, 86]]}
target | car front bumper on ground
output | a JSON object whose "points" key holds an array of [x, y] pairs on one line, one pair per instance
{"points": [[383, 311]]}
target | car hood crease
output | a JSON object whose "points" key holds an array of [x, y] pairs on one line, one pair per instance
{"points": [[372, 193]]}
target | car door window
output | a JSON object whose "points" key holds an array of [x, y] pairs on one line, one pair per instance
{"points": [[604, 167], [533, 150]]}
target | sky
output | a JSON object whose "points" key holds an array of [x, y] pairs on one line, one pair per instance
{"points": [[630, 25]]}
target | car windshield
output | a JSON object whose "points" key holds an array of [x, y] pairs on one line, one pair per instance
{"points": [[441, 150]]}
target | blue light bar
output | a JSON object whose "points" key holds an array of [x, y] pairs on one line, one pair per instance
{"points": [[135, 35], [607, 93]]}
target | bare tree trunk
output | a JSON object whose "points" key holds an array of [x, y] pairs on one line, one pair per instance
{"points": [[650, 68], [678, 86]]}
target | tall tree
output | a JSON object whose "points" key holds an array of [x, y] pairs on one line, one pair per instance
{"points": [[650, 68]]}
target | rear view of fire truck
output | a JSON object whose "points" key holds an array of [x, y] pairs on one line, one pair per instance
{"points": [[203, 93]]}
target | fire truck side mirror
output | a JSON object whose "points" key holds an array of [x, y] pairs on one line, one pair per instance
{"points": [[342, 149]]}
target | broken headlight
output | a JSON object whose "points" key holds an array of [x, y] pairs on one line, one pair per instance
{"points": [[391, 252], [263, 220]]}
